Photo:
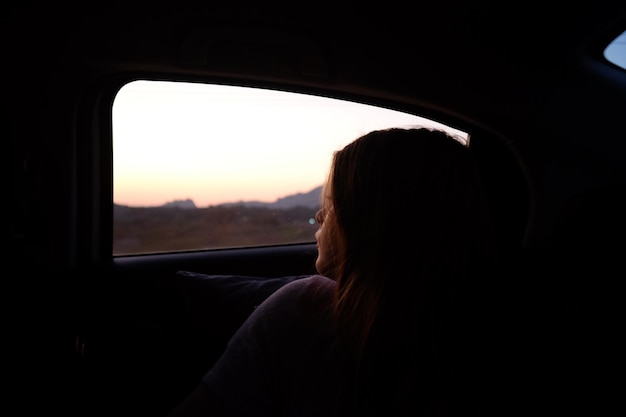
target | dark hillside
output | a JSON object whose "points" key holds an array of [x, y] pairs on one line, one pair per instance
{"points": [[167, 229]]}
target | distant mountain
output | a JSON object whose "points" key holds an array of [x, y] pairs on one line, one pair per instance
{"points": [[310, 199], [185, 204]]}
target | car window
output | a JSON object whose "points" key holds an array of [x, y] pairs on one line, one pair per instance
{"points": [[615, 52], [206, 166]]}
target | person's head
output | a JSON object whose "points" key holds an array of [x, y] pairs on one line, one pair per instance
{"points": [[401, 208]]}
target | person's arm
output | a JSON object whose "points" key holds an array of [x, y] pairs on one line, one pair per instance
{"points": [[244, 380], [201, 402]]}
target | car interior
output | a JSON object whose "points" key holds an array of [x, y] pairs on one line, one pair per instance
{"points": [[118, 307]]}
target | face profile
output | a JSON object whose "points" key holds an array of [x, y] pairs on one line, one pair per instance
{"points": [[324, 261]]}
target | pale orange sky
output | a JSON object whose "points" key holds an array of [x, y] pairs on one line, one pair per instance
{"points": [[219, 144]]}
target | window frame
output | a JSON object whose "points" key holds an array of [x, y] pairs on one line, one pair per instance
{"points": [[94, 203]]}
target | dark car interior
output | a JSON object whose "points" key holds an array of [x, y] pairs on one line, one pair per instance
{"points": [[93, 333]]}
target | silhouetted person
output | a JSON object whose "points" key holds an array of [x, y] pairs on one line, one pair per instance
{"points": [[402, 225]]}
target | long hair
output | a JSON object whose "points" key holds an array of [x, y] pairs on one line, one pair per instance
{"points": [[410, 219]]}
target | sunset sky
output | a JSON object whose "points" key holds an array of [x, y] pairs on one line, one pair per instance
{"points": [[219, 144]]}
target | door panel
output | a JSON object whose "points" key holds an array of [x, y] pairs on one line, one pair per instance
{"points": [[134, 344]]}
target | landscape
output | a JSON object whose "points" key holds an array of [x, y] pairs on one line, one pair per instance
{"points": [[181, 226]]}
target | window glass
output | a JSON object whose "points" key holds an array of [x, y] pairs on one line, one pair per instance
{"points": [[199, 166], [616, 51]]}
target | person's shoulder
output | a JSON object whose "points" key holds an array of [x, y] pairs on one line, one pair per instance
{"points": [[290, 306], [310, 284], [314, 281], [296, 294]]}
